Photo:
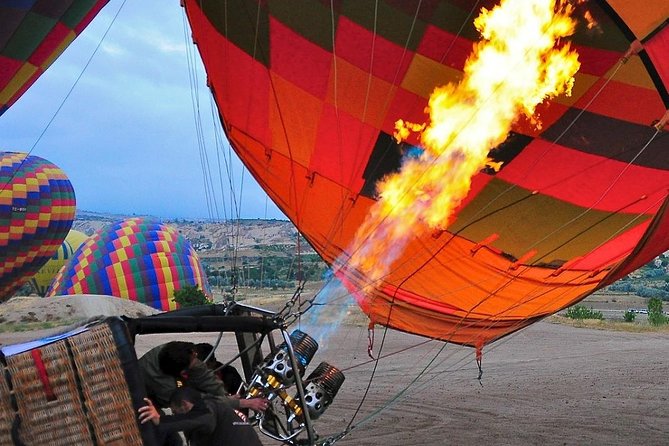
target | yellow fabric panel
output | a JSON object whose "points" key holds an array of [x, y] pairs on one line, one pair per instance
{"points": [[582, 83], [354, 87], [293, 120], [425, 74], [633, 73], [20, 78]]}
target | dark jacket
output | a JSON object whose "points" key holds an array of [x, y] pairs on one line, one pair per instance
{"points": [[160, 386], [211, 422]]}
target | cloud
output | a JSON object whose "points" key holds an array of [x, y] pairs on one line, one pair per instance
{"points": [[112, 49]]}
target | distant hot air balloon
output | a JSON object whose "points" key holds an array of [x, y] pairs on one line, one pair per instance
{"points": [[136, 259], [37, 207], [32, 35], [42, 279], [310, 96]]}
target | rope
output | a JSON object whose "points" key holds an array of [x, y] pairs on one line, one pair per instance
{"points": [[67, 96]]}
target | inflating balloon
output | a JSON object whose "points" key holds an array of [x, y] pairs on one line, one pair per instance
{"points": [[37, 207], [42, 279], [32, 35], [574, 198], [136, 259]]}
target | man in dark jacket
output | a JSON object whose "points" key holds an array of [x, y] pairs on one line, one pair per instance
{"points": [[167, 366], [206, 420]]}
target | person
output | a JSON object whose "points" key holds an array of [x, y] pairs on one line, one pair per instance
{"points": [[231, 378], [167, 366], [206, 420]]}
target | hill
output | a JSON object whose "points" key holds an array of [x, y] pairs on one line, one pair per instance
{"points": [[247, 251]]}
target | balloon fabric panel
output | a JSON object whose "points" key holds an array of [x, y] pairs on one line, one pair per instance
{"points": [[42, 279], [135, 259], [310, 110], [37, 207], [32, 35]]}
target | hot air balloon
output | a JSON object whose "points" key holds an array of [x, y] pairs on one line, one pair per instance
{"points": [[36, 212], [136, 259], [42, 279], [32, 35], [309, 97]]}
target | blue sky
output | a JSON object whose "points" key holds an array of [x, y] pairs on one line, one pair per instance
{"points": [[126, 136]]}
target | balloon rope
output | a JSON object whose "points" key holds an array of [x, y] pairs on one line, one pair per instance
{"points": [[83, 70], [62, 102]]}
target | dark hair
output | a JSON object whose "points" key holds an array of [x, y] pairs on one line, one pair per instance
{"points": [[184, 393], [175, 357], [231, 378], [203, 350]]}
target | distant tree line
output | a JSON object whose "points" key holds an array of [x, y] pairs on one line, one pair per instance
{"points": [[275, 272]]}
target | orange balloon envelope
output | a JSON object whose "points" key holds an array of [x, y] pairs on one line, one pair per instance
{"points": [[309, 97]]}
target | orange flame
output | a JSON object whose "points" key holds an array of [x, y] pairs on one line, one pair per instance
{"points": [[516, 66]]}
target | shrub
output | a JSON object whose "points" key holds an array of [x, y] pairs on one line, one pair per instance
{"points": [[582, 312], [629, 316], [655, 314], [190, 296]]}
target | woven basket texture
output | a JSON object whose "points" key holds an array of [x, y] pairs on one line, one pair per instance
{"points": [[92, 400]]}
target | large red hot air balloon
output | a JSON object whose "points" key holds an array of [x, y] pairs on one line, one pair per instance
{"points": [[309, 94], [37, 208]]}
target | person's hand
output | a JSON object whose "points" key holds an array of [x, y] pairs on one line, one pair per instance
{"points": [[257, 404], [149, 413]]}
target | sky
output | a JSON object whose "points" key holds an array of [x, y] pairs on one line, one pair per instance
{"points": [[126, 134]]}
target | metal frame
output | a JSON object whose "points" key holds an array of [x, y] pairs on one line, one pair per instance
{"points": [[250, 325]]}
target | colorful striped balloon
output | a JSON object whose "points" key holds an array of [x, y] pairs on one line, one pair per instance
{"points": [[37, 207], [43, 278], [136, 259], [32, 35]]}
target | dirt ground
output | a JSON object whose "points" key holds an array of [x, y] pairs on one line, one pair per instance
{"points": [[549, 384]]}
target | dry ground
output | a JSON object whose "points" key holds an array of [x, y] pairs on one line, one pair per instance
{"points": [[550, 384]]}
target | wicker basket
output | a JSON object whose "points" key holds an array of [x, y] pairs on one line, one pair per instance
{"points": [[7, 413], [74, 391]]}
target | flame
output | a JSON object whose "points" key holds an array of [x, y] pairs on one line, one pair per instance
{"points": [[519, 63]]}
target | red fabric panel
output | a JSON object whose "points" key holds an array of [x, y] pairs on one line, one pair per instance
{"points": [[655, 241], [354, 43], [337, 152], [298, 60], [581, 178], [596, 61], [242, 87], [445, 47], [546, 113], [612, 251], [658, 51], [623, 101], [47, 47], [8, 68], [409, 107]]}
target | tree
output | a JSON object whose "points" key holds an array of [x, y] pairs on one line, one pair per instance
{"points": [[655, 314], [190, 296]]}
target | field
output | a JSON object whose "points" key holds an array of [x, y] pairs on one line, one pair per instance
{"points": [[551, 383]]}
